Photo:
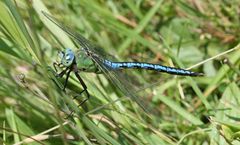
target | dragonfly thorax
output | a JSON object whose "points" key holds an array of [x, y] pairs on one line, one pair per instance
{"points": [[67, 57], [84, 61]]}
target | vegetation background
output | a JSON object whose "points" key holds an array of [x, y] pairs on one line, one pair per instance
{"points": [[180, 33]]}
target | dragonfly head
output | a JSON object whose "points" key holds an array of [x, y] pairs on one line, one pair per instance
{"points": [[66, 57]]}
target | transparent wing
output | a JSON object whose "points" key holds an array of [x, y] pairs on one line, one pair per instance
{"points": [[86, 44], [117, 78]]}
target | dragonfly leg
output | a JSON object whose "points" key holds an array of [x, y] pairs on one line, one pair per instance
{"points": [[84, 89], [59, 65], [66, 80], [56, 64], [60, 75]]}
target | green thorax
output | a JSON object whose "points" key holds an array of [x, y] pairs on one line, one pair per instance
{"points": [[85, 63]]}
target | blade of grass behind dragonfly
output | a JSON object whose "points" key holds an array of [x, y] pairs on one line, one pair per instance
{"points": [[10, 31], [22, 32], [113, 76]]}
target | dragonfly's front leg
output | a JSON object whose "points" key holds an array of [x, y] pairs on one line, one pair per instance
{"points": [[61, 73], [56, 64]]}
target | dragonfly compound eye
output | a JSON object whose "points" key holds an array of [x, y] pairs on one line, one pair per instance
{"points": [[68, 57]]}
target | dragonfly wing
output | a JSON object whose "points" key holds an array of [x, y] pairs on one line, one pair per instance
{"points": [[119, 80], [86, 44]]}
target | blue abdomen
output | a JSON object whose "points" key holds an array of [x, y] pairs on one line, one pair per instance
{"points": [[149, 66]]}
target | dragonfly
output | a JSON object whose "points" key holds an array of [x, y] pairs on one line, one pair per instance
{"points": [[91, 58]]}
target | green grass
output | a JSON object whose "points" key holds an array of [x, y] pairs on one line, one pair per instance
{"points": [[199, 110]]}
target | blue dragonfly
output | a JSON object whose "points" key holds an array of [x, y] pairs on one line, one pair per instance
{"points": [[91, 58]]}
